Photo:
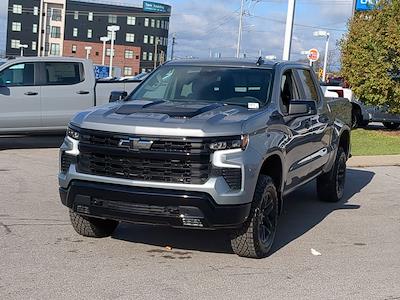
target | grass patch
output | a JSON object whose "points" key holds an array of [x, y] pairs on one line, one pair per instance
{"points": [[375, 142]]}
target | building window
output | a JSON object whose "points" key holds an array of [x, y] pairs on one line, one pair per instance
{"points": [[15, 44], [153, 23], [17, 9], [90, 16], [16, 26], [112, 19], [162, 24], [35, 10], [74, 48], [127, 71], [90, 33], [146, 22], [34, 46], [150, 55], [76, 15], [158, 24], [145, 39], [130, 37], [75, 32], [151, 39], [108, 52], [55, 49], [131, 20], [34, 28], [55, 32], [56, 14], [129, 54], [144, 56]]}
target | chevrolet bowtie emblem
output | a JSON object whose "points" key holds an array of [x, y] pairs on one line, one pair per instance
{"points": [[135, 144]]}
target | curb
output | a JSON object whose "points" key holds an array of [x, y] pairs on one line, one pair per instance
{"points": [[374, 161]]}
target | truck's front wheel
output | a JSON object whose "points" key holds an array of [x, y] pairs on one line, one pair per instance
{"points": [[92, 227], [255, 238]]}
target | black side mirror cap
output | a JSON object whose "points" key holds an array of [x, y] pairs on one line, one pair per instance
{"points": [[118, 96], [302, 107]]}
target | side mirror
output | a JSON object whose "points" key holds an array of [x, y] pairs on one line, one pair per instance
{"points": [[302, 107], [118, 96]]}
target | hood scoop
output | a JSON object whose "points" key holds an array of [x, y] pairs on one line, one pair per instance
{"points": [[172, 109]]}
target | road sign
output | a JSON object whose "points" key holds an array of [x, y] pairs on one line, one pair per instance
{"points": [[313, 55], [363, 5], [156, 7]]}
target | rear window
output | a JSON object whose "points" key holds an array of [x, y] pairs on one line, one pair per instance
{"points": [[63, 73], [228, 85]]}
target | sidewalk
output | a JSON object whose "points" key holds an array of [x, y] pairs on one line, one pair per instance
{"points": [[374, 161]]}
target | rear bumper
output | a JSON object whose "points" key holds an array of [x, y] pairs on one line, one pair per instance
{"points": [[152, 206]]}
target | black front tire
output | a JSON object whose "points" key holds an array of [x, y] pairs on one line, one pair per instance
{"points": [[330, 186], [256, 237], [391, 125], [92, 227]]}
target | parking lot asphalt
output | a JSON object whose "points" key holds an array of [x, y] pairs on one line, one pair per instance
{"points": [[41, 257]]}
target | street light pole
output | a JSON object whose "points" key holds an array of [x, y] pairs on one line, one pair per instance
{"points": [[326, 57], [104, 39], [289, 29], [322, 33], [113, 29], [240, 29], [22, 47], [88, 50]]}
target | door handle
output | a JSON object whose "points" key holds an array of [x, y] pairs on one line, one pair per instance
{"points": [[31, 93], [82, 92]]}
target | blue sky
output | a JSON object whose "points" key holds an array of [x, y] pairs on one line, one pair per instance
{"points": [[204, 25]]}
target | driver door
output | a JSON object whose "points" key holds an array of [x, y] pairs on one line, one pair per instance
{"points": [[20, 98]]}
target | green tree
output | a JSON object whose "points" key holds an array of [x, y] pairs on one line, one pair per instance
{"points": [[371, 55]]}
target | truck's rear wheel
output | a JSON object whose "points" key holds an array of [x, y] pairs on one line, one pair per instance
{"points": [[92, 227], [330, 186], [391, 125], [255, 238]]}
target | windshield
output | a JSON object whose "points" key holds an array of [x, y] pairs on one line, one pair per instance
{"points": [[240, 86]]}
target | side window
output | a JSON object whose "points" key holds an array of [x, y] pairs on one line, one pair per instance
{"points": [[288, 90], [308, 85], [63, 73], [18, 75]]}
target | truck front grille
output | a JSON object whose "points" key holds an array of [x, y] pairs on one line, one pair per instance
{"points": [[168, 160]]}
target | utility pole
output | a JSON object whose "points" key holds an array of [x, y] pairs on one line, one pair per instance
{"points": [[289, 29], [240, 29], [173, 46], [155, 53]]}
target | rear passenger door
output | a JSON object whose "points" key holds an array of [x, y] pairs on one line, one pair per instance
{"points": [[20, 105], [65, 91]]}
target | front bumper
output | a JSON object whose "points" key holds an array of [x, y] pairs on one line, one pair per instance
{"points": [[152, 206]]}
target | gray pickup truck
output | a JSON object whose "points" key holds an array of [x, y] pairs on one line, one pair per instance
{"points": [[206, 145], [41, 94]]}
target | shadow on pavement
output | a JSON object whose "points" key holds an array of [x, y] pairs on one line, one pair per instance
{"points": [[302, 212], [31, 142]]}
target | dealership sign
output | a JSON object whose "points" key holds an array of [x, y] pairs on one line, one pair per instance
{"points": [[156, 7], [363, 5], [313, 55]]}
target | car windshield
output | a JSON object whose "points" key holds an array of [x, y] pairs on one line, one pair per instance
{"points": [[240, 86]]}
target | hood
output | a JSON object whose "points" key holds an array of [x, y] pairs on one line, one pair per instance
{"points": [[167, 118]]}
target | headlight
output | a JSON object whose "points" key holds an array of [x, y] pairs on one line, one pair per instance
{"points": [[236, 143], [72, 133]]}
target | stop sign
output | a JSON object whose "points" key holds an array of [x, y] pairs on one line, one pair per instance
{"points": [[313, 55]]}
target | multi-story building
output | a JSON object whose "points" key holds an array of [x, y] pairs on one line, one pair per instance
{"points": [[75, 28]]}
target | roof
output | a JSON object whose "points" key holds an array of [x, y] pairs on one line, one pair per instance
{"points": [[268, 64], [46, 58]]}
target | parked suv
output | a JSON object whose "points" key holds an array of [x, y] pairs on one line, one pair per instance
{"points": [[207, 145]]}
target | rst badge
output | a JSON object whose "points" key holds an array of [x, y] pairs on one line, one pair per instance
{"points": [[135, 144]]}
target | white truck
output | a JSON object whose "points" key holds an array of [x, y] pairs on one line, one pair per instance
{"points": [[42, 94]]}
